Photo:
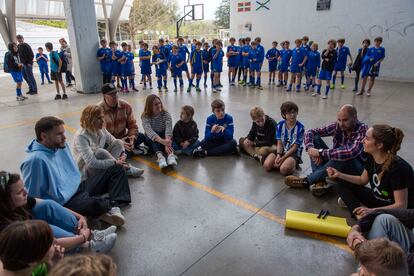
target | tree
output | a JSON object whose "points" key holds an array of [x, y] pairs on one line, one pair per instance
{"points": [[151, 15], [223, 15]]}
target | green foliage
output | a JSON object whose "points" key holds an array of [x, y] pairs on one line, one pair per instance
{"points": [[51, 23], [223, 15]]}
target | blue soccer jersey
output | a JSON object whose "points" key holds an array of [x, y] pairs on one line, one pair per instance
{"points": [[116, 62], [107, 61], [161, 67], [196, 60], [313, 63], [298, 55], [232, 60], [145, 63], [290, 137], [164, 50], [261, 50], [272, 55], [183, 51], [245, 50], [285, 55], [217, 61], [206, 61], [254, 60], [174, 60], [342, 56]]}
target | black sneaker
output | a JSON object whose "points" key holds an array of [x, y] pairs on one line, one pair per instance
{"points": [[199, 152], [58, 97], [64, 97]]}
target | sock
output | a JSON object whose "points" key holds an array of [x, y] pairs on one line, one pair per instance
{"points": [[356, 84], [181, 82], [285, 82], [319, 88], [175, 83], [212, 79], [280, 82], [190, 82], [244, 77], [205, 79], [297, 87], [133, 83], [333, 80], [252, 80], [229, 79], [290, 86], [159, 83], [198, 82], [342, 79], [258, 81], [165, 83], [327, 90], [124, 83], [159, 155], [18, 91]]}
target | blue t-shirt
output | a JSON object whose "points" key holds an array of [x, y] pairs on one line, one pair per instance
{"points": [[306, 47], [196, 59], [261, 50], [314, 60], [116, 62], [164, 50], [254, 58], [130, 59], [162, 67], [246, 49], [375, 54], [175, 59], [218, 60], [342, 54], [54, 61], [183, 51], [105, 62], [145, 63], [290, 137], [271, 53], [286, 54], [226, 122], [233, 58], [42, 61], [298, 55]]}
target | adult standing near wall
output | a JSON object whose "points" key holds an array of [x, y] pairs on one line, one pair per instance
{"points": [[65, 51], [26, 58]]}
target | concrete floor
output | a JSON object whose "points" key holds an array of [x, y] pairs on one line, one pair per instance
{"points": [[224, 215]]}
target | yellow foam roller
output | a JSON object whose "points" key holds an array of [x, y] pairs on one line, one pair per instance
{"points": [[334, 226]]}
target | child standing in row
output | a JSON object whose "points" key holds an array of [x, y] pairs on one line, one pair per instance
{"points": [[357, 65], [206, 62], [328, 63], [130, 60], [55, 71], [232, 60], [160, 63], [104, 55], [196, 63], [298, 60], [217, 63], [125, 67], [245, 55], [175, 64], [185, 132], [42, 61], [272, 56], [285, 56], [218, 139], [340, 65], [116, 57], [312, 66], [145, 58], [183, 52], [13, 65], [254, 62]]}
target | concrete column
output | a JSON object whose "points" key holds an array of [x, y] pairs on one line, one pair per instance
{"points": [[11, 18], [117, 6], [4, 30], [84, 42]]}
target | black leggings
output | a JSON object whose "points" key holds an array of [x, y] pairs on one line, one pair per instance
{"points": [[357, 74], [355, 196]]}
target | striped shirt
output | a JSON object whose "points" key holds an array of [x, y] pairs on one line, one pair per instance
{"points": [[120, 120], [290, 137], [344, 147], [157, 125]]}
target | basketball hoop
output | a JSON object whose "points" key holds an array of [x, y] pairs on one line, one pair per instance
{"points": [[193, 12]]}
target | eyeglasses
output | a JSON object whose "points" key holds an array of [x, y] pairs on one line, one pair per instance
{"points": [[4, 179]]}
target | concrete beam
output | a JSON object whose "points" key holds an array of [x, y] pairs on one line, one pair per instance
{"points": [[4, 30], [11, 18], [113, 21], [84, 42]]}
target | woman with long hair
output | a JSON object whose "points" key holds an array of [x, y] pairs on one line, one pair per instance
{"points": [[69, 228], [390, 177]]}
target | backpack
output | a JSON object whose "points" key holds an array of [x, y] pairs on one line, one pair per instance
{"points": [[62, 57], [6, 62]]}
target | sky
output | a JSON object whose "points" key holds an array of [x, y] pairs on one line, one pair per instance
{"points": [[209, 6]]}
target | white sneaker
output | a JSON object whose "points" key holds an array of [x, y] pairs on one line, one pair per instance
{"points": [[113, 217], [172, 160], [162, 163], [324, 97], [134, 171], [314, 94], [104, 244], [20, 98], [98, 234], [341, 203]]}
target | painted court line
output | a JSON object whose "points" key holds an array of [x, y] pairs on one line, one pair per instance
{"points": [[235, 201]]}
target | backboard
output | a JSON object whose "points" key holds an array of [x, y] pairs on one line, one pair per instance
{"points": [[194, 12]]}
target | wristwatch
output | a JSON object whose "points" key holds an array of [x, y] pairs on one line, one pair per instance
{"points": [[320, 152]]}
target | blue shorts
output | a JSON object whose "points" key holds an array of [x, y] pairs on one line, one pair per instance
{"points": [[339, 67], [146, 70], [126, 71], [272, 66], [206, 68], [295, 68], [311, 72], [197, 70], [254, 67], [245, 64], [177, 73], [184, 67], [17, 76], [232, 63], [116, 69], [284, 67], [160, 72], [368, 70], [218, 68], [325, 75]]}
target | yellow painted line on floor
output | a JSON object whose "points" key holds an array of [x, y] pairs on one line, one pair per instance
{"points": [[241, 203]]}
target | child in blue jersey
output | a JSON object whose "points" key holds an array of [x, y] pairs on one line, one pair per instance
{"points": [[116, 55], [217, 61], [160, 63], [141, 48], [313, 64], [307, 46], [42, 61], [206, 62], [357, 65], [272, 56], [232, 56], [261, 50], [371, 65], [245, 55], [285, 56], [196, 63], [328, 58], [210, 51], [254, 61], [175, 63], [239, 68], [104, 55], [193, 45], [218, 135], [164, 49], [125, 67], [183, 51], [145, 58], [297, 62], [289, 135], [342, 52], [14, 66], [130, 59]]}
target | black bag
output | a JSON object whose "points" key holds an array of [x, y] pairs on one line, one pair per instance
{"points": [[64, 66]]}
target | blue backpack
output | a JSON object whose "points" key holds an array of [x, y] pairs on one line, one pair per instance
{"points": [[6, 62]]}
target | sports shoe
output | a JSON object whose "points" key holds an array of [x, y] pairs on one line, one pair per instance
{"points": [[162, 163], [104, 244], [64, 97], [113, 217], [58, 97], [171, 160], [189, 89], [368, 93], [20, 98], [296, 181], [199, 152], [218, 89], [342, 86], [314, 94], [355, 89], [341, 203], [360, 92], [141, 150], [198, 89], [324, 97], [320, 188], [135, 90], [97, 234], [134, 171], [332, 86], [175, 90], [165, 88], [259, 87]]}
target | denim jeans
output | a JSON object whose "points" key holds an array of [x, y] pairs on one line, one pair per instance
{"points": [[390, 227], [187, 151], [28, 77], [352, 166], [62, 222], [217, 147]]}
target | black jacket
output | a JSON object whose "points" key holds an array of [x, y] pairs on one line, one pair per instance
{"points": [[26, 53], [263, 136], [13, 62], [185, 132]]}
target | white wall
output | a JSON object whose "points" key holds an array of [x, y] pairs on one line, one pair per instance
{"points": [[350, 19]]}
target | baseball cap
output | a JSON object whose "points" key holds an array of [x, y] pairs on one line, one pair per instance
{"points": [[108, 89]]}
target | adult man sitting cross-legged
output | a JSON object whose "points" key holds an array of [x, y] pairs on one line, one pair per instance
{"points": [[50, 172], [345, 155]]}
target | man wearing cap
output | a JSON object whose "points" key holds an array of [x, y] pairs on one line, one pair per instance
{"points": [[121, 123]]}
